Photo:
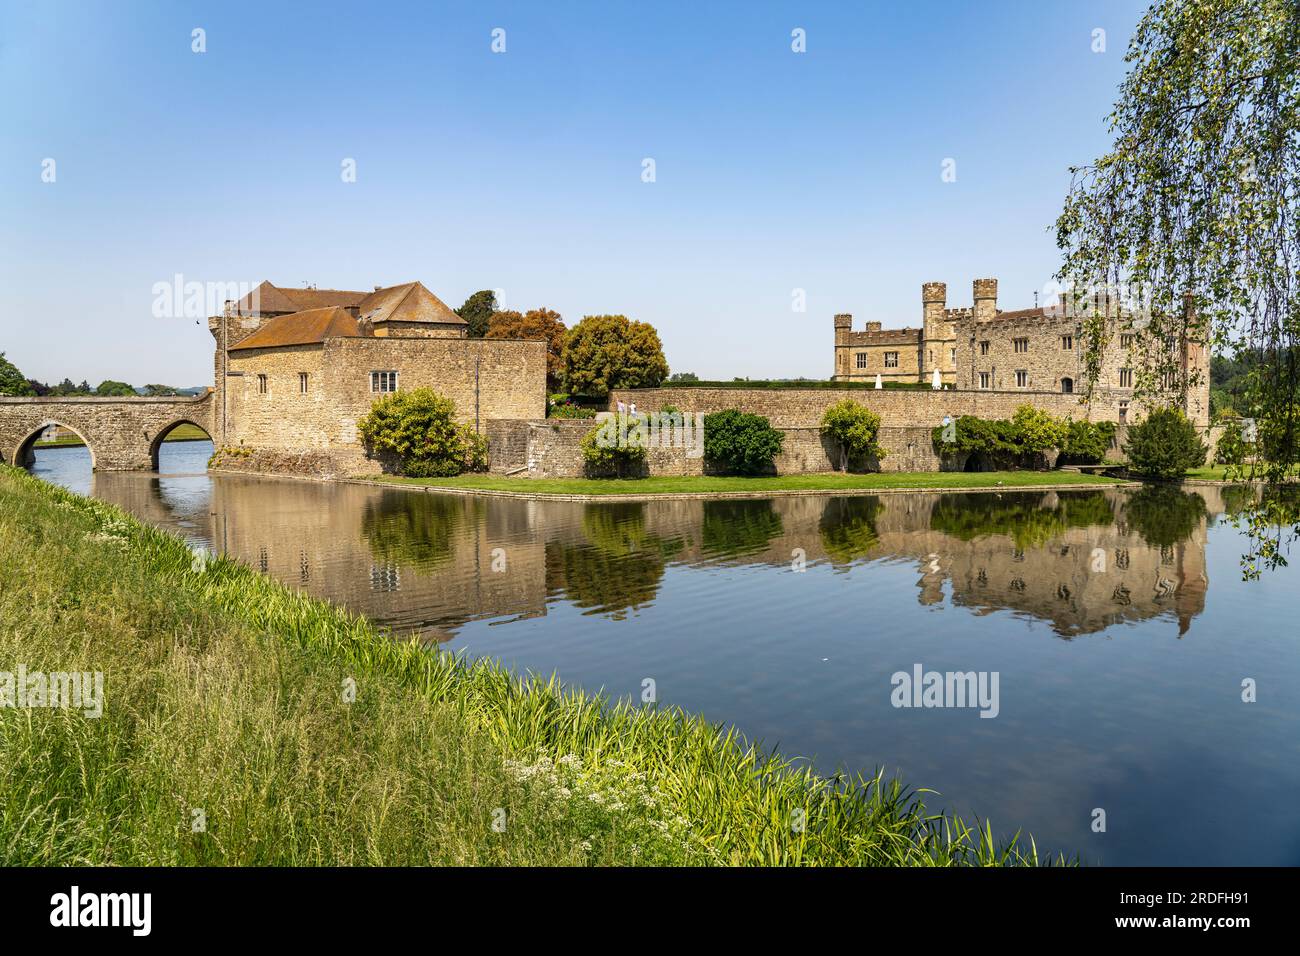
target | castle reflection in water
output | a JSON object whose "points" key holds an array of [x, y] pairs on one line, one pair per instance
{"points": [[1078, 561]]}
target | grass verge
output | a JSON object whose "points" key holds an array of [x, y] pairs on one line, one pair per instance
{"points": [[707, 484], [225, 704]]}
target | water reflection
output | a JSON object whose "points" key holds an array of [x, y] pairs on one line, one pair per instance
{"points": [[1120, 677], [1079, 562]]}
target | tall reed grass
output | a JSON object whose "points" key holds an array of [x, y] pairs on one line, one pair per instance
{"points": [[227, 736]]}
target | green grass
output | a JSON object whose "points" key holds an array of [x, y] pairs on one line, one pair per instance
{"points": [[224, 692], [696, 484], [182, 432]]}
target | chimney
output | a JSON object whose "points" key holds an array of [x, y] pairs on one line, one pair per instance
{"points": [[985, 293], [873, 326]]}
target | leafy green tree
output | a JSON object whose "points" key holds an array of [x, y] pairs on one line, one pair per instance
{"points": [[1164, 445], [111, 389], [12, 381], [159, 391], [419, 430], [1036, 431], [683, 378], [477, 312], [1086, 443], [609, 453], [1195, 206], [604, 352], [542, 324], [740, 443], [854, 428]]}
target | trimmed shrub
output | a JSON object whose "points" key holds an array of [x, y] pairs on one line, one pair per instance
{"points": [[1086, 443], [419, 429], [854, 428], [608, 454], [740, 443], [1023, 440], [1164, 445]]}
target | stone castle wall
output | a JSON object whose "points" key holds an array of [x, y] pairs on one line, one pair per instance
{"points": [[552, 448], [285, 429]]}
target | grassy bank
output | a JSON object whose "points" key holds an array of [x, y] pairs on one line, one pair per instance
{"points": [[704, 484], [182, 432], [225, 696]]}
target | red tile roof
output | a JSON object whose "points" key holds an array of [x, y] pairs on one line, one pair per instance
{"points": [[302, 328]]}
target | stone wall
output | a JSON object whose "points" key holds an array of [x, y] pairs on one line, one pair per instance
{"points": [[551, 448], [488, 379], [898, 408], [122, 434]]}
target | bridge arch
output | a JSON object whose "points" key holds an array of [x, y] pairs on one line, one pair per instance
{"points": [[121, 433], [155, 446], [24, 454]]}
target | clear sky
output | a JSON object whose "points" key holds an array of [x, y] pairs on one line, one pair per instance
{"points": [[522, 170]]}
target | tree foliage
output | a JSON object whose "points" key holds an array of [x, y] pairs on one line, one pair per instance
{"points": [[853, 427], [543, 324], [611, 454], [1022, 440], [605, 352], [477, 312], [419, 429], [1194, 210], [12, 381], [740, 443], [114, 389], [1164, 445], [1086, 443]]}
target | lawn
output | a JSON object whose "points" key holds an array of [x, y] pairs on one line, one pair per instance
{"points": [[246, 723], [696, 484]]}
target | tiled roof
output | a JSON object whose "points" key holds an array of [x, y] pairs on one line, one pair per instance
{"points": [[302, 328], [268, 298], [409, 302]]}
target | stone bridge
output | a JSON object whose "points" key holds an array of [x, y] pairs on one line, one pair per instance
{"points": [[123, 434]]}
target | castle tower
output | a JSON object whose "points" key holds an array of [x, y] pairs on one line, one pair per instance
{"points": [[937, 335], [843, 325], [985, 294]]}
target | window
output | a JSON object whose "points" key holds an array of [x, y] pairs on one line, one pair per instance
{"points": [[984, 379], [984, 348], [302, 383], [261, 384], [1067, 386], [1126, 339], [952, 356], [891, 360], [383, 381], [1022, 379], [862, 360], [1020, 345], [1123, 412], [1067, 342], [1126, 378]]}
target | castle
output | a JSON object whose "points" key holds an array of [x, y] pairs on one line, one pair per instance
{"points": [[1028, 350], [296, 369]]}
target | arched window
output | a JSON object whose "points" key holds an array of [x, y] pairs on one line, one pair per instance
{"points": [[1067, 385]]}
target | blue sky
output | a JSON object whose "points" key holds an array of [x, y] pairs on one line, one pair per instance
{"points": [[522, 170]]}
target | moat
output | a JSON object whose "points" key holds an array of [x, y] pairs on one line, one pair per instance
{"points": [[1117, 621]]}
